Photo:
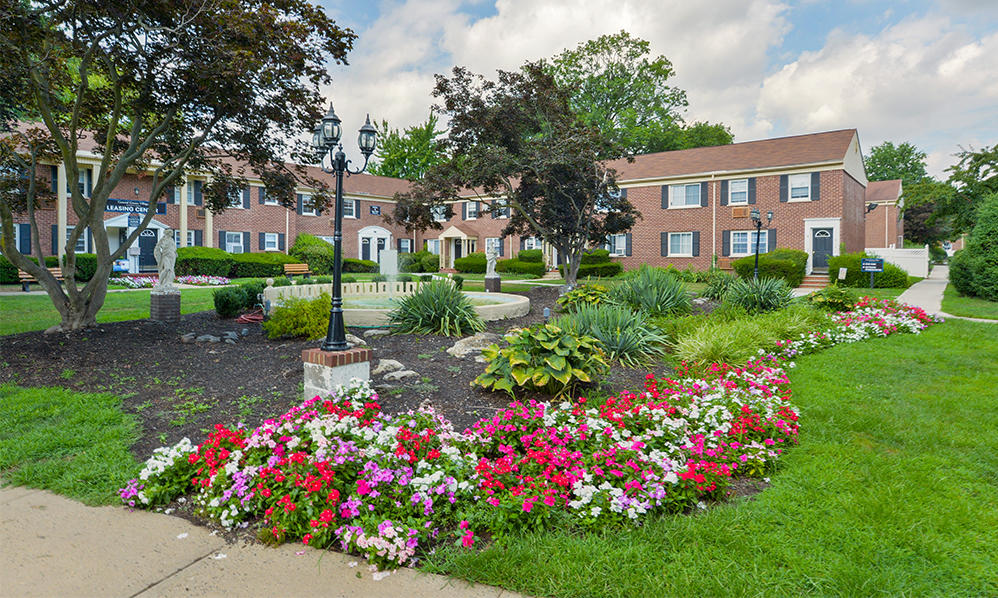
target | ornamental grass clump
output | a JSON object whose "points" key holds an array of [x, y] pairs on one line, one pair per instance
{"points": [[758, 296], [654, 291], [438, 307], [717, 285], [625, 336]]}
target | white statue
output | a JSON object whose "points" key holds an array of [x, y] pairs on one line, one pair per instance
{"points": [[166, 257], [490, 257]]}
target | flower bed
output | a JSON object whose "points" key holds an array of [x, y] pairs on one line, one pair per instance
{"points": [[142, 282], [337, 471]]}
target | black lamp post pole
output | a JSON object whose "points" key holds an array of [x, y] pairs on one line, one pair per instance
{"points": [[758, 231], [336, 339]]}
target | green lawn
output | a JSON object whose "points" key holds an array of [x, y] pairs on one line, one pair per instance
{"points": [[971, 307], [892, 491], [22, 313], [71, 443]]}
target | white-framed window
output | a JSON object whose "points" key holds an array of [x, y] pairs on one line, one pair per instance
{"points": [[190, 193], [308, 208], [800, 187], [190, 238], [493, 243], [348, 208], [472, 210], [532, 243], [681, 244], [439, 213], [268, 198], [270, 242], [684, 196], [503, 207], [433, 246], [172, 195], [236, 198], [617, 244], [234, 242], [85, 182], [738, 192], [81, 243], [405, 245], [743, 242]]}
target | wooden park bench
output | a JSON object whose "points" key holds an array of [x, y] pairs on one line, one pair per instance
{"points": [[26, 279], [297, 269]]}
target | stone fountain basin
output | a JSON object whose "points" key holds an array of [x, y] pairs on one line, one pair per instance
{"points": [[372, 310]]}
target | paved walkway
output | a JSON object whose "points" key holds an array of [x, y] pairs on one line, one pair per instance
{"points": [[37, 289], [928, 294], [53, 546]]}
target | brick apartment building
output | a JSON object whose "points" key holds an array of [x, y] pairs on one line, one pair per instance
{"points": [[695, 204], [884, 224]]}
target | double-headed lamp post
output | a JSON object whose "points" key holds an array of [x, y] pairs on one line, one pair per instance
{"points": [[326, 139], [757, 221]]}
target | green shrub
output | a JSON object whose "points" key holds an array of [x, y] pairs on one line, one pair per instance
{"points": [[974, 269], [435, 308], [379, 278], [531, 255], [86, 266], [937, 254], [329, 279], [320, 260], [473, 262], [299, 317], [430, 262], [833, 298], [652, 291], [891, 278], [412, 262], [625, 336], [203, 261], [788, 264], [359, 266], [532, 268], [543, 358], [8, 271], [604, 270], [758, 296], [586, 294], [252, 288], [229, 301], [404, 278], [595, 256], [717, 285], [260, 265]]}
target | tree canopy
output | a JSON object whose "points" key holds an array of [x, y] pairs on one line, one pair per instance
{"points": [[619, 87], [517, 138], [167, 89], [973, 177], [409, 154], [904, 161]]}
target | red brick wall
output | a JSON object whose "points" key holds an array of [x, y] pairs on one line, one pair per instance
{"points": [[883, 226], [853, 222]]}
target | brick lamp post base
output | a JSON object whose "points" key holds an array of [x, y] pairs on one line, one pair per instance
{"points": [[325, 370]]}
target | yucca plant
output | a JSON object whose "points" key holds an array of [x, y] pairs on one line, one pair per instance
{"points": [[435, 308], [717, 285], [653, 291], [626, 336], [758, 296]]}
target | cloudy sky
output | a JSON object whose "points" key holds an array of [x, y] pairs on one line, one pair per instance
{"points": [[924, 71]]}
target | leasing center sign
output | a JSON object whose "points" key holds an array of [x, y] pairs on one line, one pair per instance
{"points": [[127, 206]]}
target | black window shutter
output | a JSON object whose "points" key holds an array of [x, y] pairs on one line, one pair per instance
{"points": [[665, 197], [246, 198], [784, 191], [221, 240], [55, 240], [90, 241], [24, 235], [263, 241], [464, 210], [696, 243], [280, 241], [54, 170], [505, 211], [751, 191], [198, 197], [398, 245], [665, 244], [724, 193], [261, 194], [246, 243], [502, 247], [726, 243], [160, 207], [198, 238], [704, 190], [771, 238], [478, 209], [170, 195], [815, 186], [298, 195], [627, 244], [523, 243]]}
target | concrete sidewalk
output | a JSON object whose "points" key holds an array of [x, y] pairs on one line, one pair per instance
{"points": [[53, 546], [928, 294]]}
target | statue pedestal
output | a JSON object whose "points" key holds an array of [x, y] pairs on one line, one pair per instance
{"points": [[493, 284], [164, 305]]}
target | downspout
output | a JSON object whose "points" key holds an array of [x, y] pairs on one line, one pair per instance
{"points": [[713, 225], [287, 230]]}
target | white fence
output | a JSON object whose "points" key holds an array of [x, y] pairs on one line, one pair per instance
{"points": [[274, 294], [913, 261]]}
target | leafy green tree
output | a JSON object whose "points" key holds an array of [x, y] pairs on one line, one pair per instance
{"points": [[617, 86], [517, 138], [922, 223], [973, 178], [167, 88], [904, 161], [409, 154]]}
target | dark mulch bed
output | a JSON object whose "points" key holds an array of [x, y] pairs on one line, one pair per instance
{"points": [[177, 389]]}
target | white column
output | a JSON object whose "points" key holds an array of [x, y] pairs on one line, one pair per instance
{"points": [[62, 207], [183, 215], [209, 233]]}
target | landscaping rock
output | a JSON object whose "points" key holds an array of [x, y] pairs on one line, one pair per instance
{"points": [[401, 375], [232, 335], [473, 345], [386, 366], [230, 341], [376, 332], [208, 338], [188, 338], [356, 340]]}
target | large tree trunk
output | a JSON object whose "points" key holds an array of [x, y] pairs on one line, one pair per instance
{"points": [[571, 258], [78, 307]]}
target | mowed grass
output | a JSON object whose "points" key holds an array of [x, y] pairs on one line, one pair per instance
{"points": [[23, 313], [71, 443], [893, 491], [971, 307]]}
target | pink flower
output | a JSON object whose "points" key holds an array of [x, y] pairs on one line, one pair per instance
{"points": [[468, 540], [527, 505], [463, 524]]}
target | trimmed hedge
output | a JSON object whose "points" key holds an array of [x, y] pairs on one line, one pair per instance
{"points": [[86, 265], [598, 270], [596, 256], [789, 265], [259, 265], [974, 269], [531, 255], [318, 254], [203, 261], [354, 265], [473, 262], [520, 267], [891, 278]]}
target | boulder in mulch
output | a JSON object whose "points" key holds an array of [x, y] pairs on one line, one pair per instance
{"points": [[376, 332], [356, 341], [401, 375], [473, 345], [386, 366]]}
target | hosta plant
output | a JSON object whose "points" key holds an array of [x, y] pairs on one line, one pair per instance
{"points": [[436, 308], [544, 358], [587, 294]]}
